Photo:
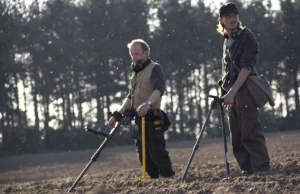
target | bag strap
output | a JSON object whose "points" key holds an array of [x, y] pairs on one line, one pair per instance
{"points": [[232, 64], [133, 84]]}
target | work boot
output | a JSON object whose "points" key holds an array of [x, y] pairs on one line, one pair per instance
{"points": [[264, 170], [153, 173], [168, 174], [247, 172], [154, 176]]}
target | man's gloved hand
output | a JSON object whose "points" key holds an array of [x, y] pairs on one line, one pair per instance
{"points": [[115, 117], [124, 119], [128, 115]]}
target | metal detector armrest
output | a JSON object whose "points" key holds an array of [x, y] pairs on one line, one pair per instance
{"points": [[97, 132]]}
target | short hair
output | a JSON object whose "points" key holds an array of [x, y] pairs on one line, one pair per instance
{"points": [[144, 45]]}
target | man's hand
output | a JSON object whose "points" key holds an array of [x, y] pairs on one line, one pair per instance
{"points": [[112, 122], [228, 99], [143, 109]]}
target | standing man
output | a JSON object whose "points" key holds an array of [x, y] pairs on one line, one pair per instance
{"points": [[147, 88], [240, 54]]}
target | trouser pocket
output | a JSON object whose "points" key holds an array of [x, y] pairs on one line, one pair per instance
{"points": [[250, 125]]}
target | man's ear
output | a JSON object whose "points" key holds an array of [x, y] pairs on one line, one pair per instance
{"points": [[219, 19]]}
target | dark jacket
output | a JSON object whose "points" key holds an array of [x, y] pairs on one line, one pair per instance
{"points": [[242, 53]]}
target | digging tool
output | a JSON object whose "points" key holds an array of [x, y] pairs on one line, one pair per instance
{"points": [[217, 102], [123, 120], [144, 176]]}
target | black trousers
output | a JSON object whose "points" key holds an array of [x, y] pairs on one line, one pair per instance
{"points": [[157, 157]]}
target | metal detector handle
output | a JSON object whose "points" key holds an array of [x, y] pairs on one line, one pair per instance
{"points": [[97, 132], [212, 96], [217, 101], [216, 98]]}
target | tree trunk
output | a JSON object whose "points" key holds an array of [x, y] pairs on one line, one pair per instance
{"points": [[107, 104], [80, 114], [35, 101], [172, 112], [64, 114], [198, 97], [69, 113], [180, 105], [4, 111], [286, 98], [25, 104], [46, 111], [206, 90], [296, 89], [6, 140], [16, 94], [98, 100]]}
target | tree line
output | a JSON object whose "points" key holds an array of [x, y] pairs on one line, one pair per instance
{"points": [[65, 65]]}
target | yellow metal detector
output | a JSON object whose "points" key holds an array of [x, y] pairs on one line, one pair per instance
{"points": [[144, 175]]}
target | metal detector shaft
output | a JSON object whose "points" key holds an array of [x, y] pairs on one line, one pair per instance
{"points": [[225, 140], [96, 154], [196, 146]]}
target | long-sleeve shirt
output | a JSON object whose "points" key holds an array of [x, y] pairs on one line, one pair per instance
{"points": [[242, 52], [239, 53]]}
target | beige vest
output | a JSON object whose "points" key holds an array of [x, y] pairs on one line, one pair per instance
{"points": [[142, 87]]}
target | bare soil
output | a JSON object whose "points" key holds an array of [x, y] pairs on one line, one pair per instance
{"points": [[117, 170]]}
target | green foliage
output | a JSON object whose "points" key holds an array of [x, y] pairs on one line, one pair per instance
{"points": [[22, 140], [73, 62]]}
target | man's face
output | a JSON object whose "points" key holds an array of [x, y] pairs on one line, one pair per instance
{"points": [[230, 21], [136, 53]]}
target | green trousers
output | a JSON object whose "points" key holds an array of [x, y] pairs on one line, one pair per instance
{"points": [[247, 138]]}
